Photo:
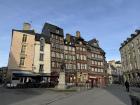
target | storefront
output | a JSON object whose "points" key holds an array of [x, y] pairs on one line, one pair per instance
{"points": [[97, 80]]}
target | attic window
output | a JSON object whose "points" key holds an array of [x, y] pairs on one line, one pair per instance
{"points": [[42, 41], [57, 31]]}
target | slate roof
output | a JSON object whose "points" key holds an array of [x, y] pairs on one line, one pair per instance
{"points": [[137, 32], [49, 28], [32, 32]]}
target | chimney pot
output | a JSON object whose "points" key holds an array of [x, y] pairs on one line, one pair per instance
{"points": [[78, 34]]}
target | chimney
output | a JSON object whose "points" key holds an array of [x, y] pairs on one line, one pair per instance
{"points": [[78, 34], [26, 26]]}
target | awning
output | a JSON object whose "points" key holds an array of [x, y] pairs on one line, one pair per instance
{"points": [[31, 75]]}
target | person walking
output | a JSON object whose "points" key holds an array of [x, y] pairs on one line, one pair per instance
{"points": [[127, 85]]}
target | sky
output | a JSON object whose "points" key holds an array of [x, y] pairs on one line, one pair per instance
{"points": [[109, 21]]}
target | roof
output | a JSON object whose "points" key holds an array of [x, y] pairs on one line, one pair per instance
{"points": [[38, 36], [137, 32], [92, 41], [32, 32], [50, 28], [112, 67]]}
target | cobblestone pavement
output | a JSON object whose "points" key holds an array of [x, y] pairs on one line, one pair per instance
{"points": [[112, 95]]}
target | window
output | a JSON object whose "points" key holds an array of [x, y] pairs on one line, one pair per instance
{"points": [[66, 48], [81, 56], [92, 62], [138, 41], [78, 65], [96, 70], [57, 55], [57, 31], [80, 48], [83, 49], [53, 54], [73, 57], [85, 66], [77, 56], [98, 63], [41, 48], [139, 50], [132, 44], [102, 70], [77, 48], [52, 44], [73, 49], [85, 58], [101, 63], [41, 67], [61, 56], [41, 57], [95, 62], [56, 37], [92, 69], [70, 48], [53, 64], [23, 49], [66, 56], [61, 39], [22, 61], [52, 35], [24, 39]]}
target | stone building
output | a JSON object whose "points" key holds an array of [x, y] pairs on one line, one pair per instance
{"points": [[86, 60], [3, 74], [81, 58], [44, 54], [115, 72], [130, 57], [70, 58], [96, 63], [56, 38], [29, 54]]}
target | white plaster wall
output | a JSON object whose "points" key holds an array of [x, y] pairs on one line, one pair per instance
{"points": [[36, 57], [47, 58]]}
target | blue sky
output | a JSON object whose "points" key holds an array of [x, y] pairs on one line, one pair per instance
{"points": [[110, 21]]}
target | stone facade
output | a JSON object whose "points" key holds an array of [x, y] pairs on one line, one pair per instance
{"points": [[29, 53], [130, 58], [46, 53], [85, 60], [115, 72]]}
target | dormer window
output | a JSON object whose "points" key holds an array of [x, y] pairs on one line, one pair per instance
{"points": [[24, 39], [57, 31], [80, 42], [132, 44], [95, 44], [42, 41]]}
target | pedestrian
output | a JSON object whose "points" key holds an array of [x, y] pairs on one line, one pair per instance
{"points": [[127, 85]]}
